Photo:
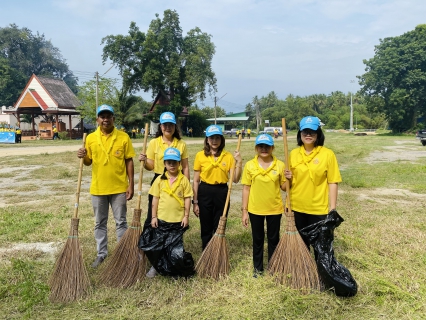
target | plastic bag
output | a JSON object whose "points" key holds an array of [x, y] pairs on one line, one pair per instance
{"points": [[332, 273], [164, 248]]}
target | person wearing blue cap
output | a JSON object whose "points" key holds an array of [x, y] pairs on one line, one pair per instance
{"points": [[168, 135], [315, 178], [162, 241], [110, 153], [263, 178], [212, 168]]}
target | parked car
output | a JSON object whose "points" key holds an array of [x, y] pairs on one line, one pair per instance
{"points": [[270, 130], [232, 132], [421, 135]]}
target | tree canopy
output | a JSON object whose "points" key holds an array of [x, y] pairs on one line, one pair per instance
{"points": [[128, 109], [395, 79], [163, 60], [23, 53]]}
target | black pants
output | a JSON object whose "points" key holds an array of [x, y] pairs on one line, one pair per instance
{"points": [[211, 202], [149, 213], [258, 234], [303, 220], [18, 138]]}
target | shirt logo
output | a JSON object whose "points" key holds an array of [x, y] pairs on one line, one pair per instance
{"points": [[316, 161]]}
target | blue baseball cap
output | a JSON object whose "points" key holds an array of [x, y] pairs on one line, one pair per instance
{"points": [[213, 129], [264, 139], [309, 122], [167, 117], [104, 107], [172, 154]]}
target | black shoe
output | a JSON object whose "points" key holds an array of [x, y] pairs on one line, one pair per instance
{"points": [[97, 262], [257, 273]]}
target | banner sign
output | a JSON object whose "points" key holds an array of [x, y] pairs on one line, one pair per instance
{"points": [[7, 137]]}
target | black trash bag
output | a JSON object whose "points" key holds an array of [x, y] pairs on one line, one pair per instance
{"points": [[332, 273], [164, 248]]}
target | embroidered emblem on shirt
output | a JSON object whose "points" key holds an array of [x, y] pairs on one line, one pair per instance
{"points": [[316, 161]]}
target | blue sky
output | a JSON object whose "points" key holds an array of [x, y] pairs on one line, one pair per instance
{"points": [[298, 47]]}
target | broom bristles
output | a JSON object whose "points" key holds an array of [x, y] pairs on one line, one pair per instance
{"points": [[127, 263], [214, 261], [292, 264], [69, 280]]}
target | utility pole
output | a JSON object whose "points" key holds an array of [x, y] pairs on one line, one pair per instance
{"points": [[215, 110], [97, 89], [216, 100], [351, 123]]}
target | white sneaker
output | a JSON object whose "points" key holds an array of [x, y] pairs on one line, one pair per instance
{"points": [[151, 273]]}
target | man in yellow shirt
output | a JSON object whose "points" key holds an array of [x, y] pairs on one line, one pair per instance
{"points": [[55, 133], [18, 133], [110, 152], [248, 133]]}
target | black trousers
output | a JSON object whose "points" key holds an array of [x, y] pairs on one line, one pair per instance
{"points": [[305, 219], [149, 213], [257, 222], [211, 202]]}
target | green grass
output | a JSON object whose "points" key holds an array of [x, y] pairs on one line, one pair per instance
{"points": [[381, 242]]}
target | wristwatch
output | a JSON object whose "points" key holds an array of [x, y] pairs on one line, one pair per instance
{"points": [[194, 201]]}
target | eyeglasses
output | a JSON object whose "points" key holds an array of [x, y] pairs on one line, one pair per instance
{"points": [[309, 133]]}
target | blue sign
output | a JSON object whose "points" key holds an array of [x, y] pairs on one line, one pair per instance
{"points": [[7, 137]]}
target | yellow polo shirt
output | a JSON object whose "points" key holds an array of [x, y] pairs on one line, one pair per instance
{"points": [[214, 171], [108, 154], [156, 148], [170, 209], [309, 190], [265, 187]]}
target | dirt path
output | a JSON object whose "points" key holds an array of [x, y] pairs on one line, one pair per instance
{"points": [[58, 149]]}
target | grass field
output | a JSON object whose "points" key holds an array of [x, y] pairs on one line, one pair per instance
{"points": [[382, 242]]}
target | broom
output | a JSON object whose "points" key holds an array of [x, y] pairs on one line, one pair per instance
{"points": [[292, 264], [214, 261], [70, 280], [127, 263]]}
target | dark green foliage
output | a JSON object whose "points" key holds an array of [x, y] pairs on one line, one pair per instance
{"points": [[22, 54], [395, 79], [164, 61]]}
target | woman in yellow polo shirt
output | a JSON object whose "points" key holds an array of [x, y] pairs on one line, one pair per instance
{"points": [[212, 167], [167, 136], [263, 177], [316, 175]]}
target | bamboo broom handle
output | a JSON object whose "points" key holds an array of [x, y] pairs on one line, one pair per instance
{"points": [[80, 174], [145, 140], [231, 178], [286, 157]]}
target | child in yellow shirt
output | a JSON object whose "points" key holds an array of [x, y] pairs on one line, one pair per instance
{"points": [[162, 241]]}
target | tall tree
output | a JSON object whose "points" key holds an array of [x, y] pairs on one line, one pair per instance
{"points": [[27, 53], [395, 79], [163, 60]]}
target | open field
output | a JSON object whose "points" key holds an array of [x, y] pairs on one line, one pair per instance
{"points": [[382, 241]]}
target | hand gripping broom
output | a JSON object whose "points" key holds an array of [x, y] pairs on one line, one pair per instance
{"points": [[127, 263], [214, 261], [69, 280], [292, 264]]}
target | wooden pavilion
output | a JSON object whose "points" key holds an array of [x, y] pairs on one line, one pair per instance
{"points": [[49, 99]]}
